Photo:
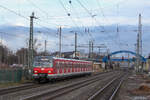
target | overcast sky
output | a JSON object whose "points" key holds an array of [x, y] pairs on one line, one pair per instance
{"points": [[54, 12], [83, 13]]}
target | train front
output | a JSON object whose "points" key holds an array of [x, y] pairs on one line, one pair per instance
{"points": [[43, 67]]}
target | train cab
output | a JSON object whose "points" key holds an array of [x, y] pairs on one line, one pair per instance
{"points": [[42, 67]]}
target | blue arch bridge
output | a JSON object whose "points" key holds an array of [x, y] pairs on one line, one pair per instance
{"points": [[107, 58]]}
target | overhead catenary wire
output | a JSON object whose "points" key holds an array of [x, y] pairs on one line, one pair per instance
{"points": [[14, 12], [102, 11], [43, 11], [33, 4], [89, 35], [93, 17], [70, 16]]}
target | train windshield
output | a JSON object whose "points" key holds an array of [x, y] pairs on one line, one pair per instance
{"points": [[43, 61]]}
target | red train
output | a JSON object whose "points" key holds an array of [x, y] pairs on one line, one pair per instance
{"points": [[49, 68]]}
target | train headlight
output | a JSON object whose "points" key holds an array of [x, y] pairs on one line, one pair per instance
{"points": [[35, 71], [49, 71]]}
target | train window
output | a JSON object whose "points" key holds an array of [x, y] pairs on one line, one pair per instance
{"points": [[85, 65], [66, 64], [59, 64], [79, 65], [70, 64], [56, 64], [63, 64], [75, 64], [43, 62]]}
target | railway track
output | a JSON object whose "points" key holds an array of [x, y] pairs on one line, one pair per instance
{"points": [[29, 86], [109, 91], [52, 94], [18, 88]]}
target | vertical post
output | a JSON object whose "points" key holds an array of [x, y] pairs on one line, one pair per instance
{"points": [[0, 55], [75, 44], [92, 48], [45, 47], [137, 56], [99, 49], [140, 35], [24, 57], [139, 44], [128, 61], [1, 49], [31, 49], [108, 62], [89, 49], [60, 42]]}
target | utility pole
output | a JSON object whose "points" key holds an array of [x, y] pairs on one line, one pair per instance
{"points": [[128, 60], [99, 50], [75, 45], [139, 44], [140, 35], [1, 48], [60, 41], [45, 47], [89, 49], [92, 45], [31, 49], [137, 56]]}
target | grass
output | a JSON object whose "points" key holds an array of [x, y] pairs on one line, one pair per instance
{"points": [[11, 84]]}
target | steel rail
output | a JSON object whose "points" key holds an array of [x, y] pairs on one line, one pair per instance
{"points": [[106, 86], [116, 90], [29, 86], [18, 88], [66, 89]]}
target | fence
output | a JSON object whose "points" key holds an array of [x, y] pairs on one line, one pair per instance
{"points": [[12, 75]]}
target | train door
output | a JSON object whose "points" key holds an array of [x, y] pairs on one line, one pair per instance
{"points": [[78, 66], [73, 66], [65, 67], [57, 67], [54, 66]]}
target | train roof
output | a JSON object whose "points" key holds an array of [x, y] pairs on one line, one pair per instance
{"points": [[51, 57], [70, 59]]}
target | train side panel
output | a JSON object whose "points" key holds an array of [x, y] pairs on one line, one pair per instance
{"points": [[66, 68]]}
